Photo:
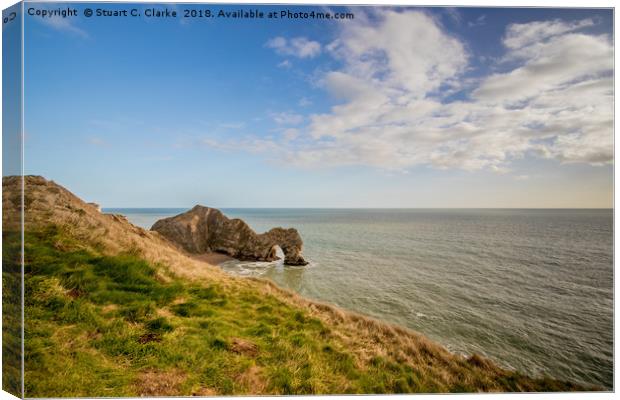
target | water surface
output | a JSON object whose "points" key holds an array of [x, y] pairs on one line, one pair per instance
{"points": [[531, 289]]}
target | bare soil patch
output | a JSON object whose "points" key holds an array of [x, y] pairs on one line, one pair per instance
{"points": [[159, 383]]}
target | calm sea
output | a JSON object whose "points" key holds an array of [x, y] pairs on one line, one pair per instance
{"points": [[531, 289]]}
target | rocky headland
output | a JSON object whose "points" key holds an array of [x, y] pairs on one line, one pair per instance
{"points": [[204, 230]]}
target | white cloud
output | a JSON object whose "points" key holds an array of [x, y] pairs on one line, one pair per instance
{"points": [[304, 102], [558, 62], [249, 144], [299, 47], [556, 101], [231, 125], [454, 14], [287, 118], [553, 99], [481, 20], [290, 134], [405, 52], [63, 24], [285, 64], [520, 35]]}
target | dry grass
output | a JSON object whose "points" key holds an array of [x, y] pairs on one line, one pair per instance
{"points": [[109, 308], [252, 378], [159, 383], [164, 312], [298, 345], [49, 203]]}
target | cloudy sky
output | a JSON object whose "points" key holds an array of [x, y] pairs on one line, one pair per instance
{"points": [[399, 107]]}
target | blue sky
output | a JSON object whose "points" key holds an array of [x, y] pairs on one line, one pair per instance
{"points": [[400, 107], [11, 92]]}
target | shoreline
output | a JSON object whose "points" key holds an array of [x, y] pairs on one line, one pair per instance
{"points": [[215, 259]]}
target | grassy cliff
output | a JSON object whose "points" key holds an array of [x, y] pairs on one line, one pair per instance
{"points": [[113, 310]]}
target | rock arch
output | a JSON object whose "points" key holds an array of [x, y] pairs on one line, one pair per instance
{"points": [[204, 230], [289, 241]]}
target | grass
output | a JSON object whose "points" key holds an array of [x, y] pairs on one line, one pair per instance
{"points": [[11, 314], [101, 325]]}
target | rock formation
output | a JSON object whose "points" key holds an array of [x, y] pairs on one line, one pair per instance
{"points": [[204, 230]]}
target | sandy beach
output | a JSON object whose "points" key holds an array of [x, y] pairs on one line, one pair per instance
{"points": [[213, 258]]}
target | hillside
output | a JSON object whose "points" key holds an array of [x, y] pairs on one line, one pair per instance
{"points": [[114, 310]]}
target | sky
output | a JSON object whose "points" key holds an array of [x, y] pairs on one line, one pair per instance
{"points": [[398, 107], [11, 92]]}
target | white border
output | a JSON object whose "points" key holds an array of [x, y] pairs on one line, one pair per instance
{"points": [[449, 3]]}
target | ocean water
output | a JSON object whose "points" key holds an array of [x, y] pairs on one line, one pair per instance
{"points": [[531, 289]]}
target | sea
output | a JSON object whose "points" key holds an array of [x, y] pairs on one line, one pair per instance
{"points": [[531, 289]]}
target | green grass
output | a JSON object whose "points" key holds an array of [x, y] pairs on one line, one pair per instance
{"points": [[110, 326], [87, 313], [11, 313]]}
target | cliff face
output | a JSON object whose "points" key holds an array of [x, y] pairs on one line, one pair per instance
{"points": [[203, 229]]}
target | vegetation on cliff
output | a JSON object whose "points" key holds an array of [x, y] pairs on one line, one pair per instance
{"points": [[113, 310]]}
